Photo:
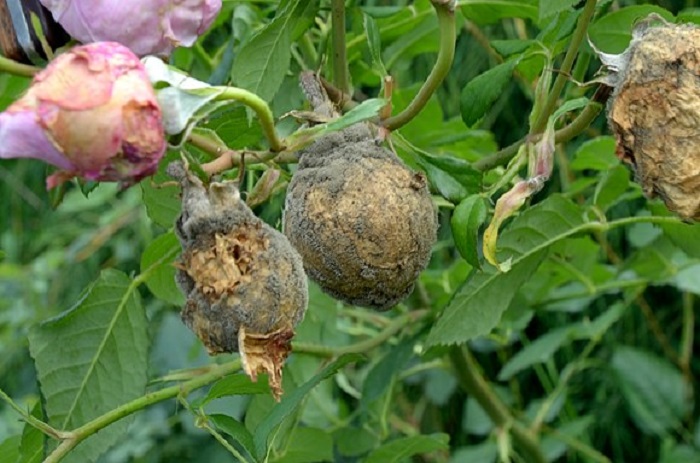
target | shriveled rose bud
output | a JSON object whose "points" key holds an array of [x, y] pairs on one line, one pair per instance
{"points": [[655, 111], [148, 27], [92, 113]]}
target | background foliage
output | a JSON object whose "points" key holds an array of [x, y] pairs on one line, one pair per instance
{"points": [[582, 352]]}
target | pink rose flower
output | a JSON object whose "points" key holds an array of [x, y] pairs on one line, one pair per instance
{"points": [[92, 113], [148, 27]]}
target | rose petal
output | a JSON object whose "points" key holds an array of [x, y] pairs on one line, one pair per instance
{"points": [[21, 136]]}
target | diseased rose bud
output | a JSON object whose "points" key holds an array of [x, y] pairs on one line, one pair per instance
{"points": [[655, 112], [92, 113], [245, 285], [363, 222], [147, 27]]}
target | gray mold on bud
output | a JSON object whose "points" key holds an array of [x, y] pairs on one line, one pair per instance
{"points": [[245, 285], [655, 112], [363, 222]]}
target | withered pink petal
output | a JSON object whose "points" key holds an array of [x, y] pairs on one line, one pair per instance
{"points": [[22, 137], [145, 26]]}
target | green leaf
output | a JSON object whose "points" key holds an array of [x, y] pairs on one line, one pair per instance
{"points": [[542, 349], [685, 236], [93, 358], [291, 401], [233, 385], [263, 61], [9, 449], [366, 110], [596, 154], [654, 390], [549, 8], [32, 446], [233, 127], [162, 203], [352, 442], [688, 279], [467, 316], [482, 91], [307, 445], [508, 48], [467, 217], [524, 242], [539, 351], [491, 11], [554, 446], [374, 42], [486, 452], [379, 377], [161, 254], [613, 32], [611, 186], [400, 449], [235, 429]]}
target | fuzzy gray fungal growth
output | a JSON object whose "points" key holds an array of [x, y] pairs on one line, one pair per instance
{"points": [[245, 285], [363, 222], [655, 113]]}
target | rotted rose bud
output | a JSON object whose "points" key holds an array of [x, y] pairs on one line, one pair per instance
{"points": [[245, 284], [147, 27], [92, 113], [655, 111]]}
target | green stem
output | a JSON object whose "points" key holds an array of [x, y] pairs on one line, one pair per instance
{"points": [[448, 34], [18, 69], [563, 76], [391, 329], [83, 432], [576, 127], [687, 336], [340, 71], [471, 380], [257, 104]]}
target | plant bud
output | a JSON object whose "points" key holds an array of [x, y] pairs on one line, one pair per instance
{"points": [[92, 113], [245, 285], [655, 112], [147, 27], [363, 222]]}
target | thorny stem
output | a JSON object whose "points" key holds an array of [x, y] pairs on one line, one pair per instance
{"points": [[391, 329], [340, 72], [18, 69], [257, 104], [576, 40], [577, 126], [101, 422], [448, 34], [469, 376]]}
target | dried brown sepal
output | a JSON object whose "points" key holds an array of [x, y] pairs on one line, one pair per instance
{"points": [[266, 353], [655, 114], [239, 275]]}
